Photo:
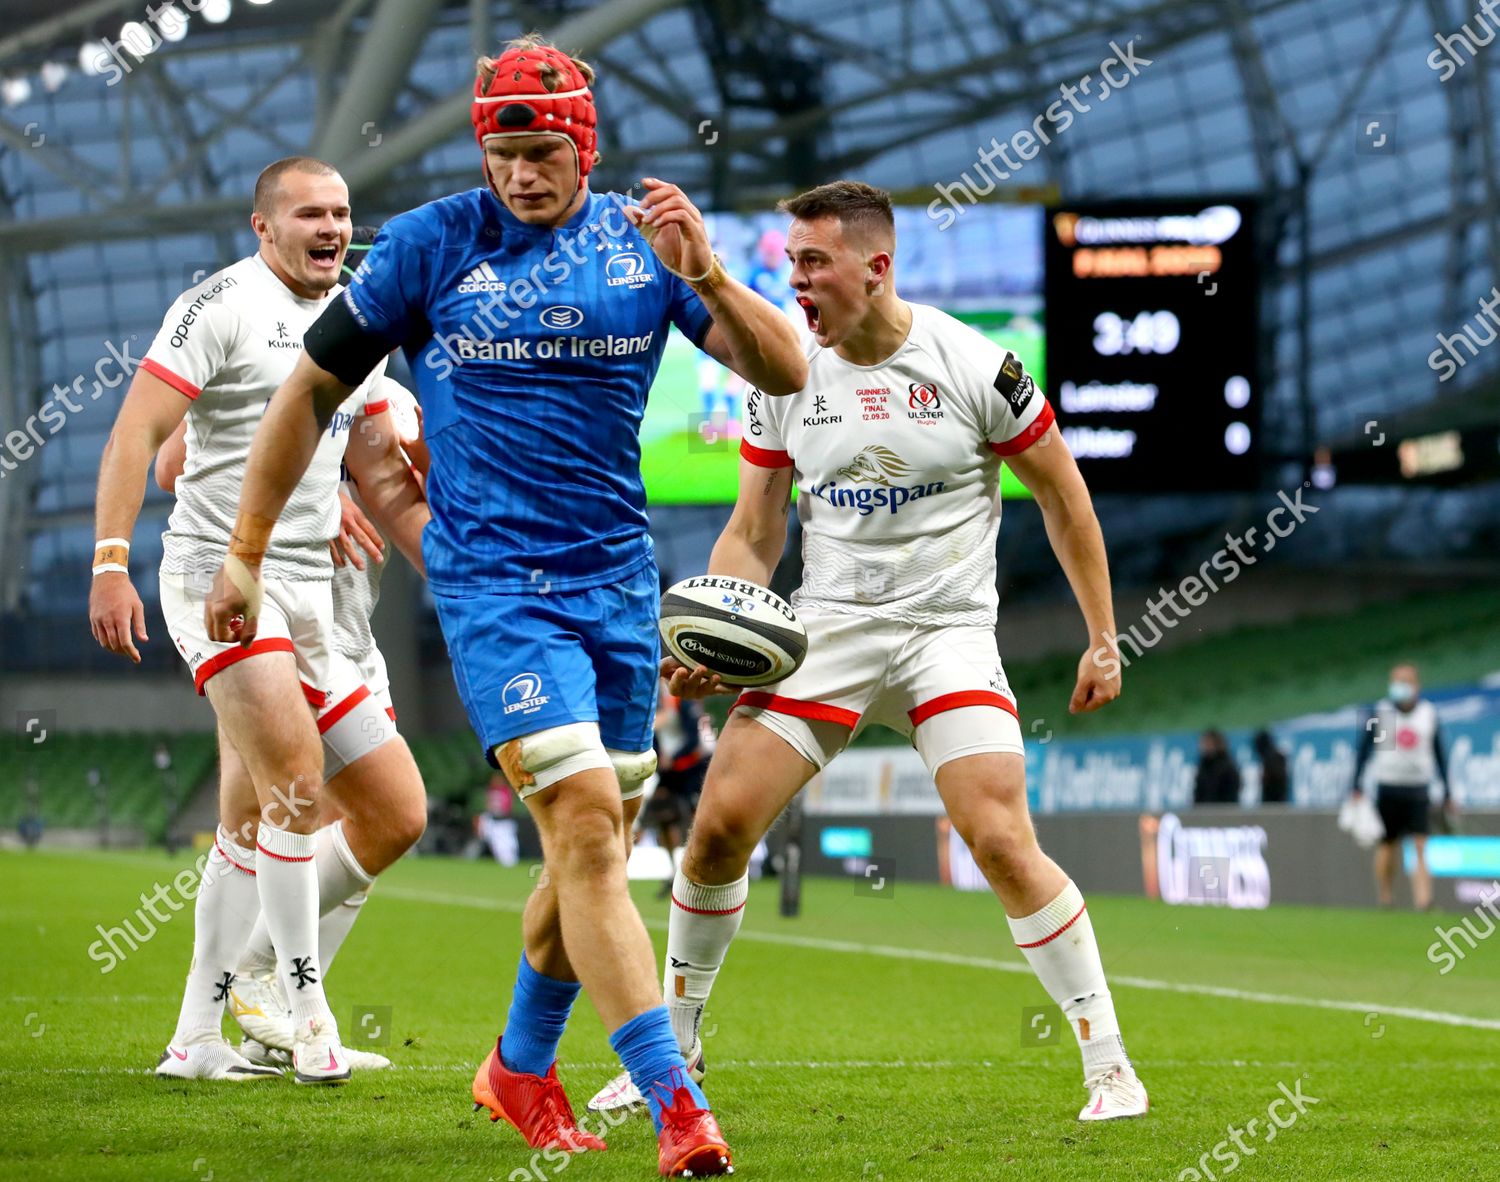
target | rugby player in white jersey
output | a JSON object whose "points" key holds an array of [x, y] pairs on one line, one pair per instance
{"points": [[896, 443], [222, 350], [256, 999]]}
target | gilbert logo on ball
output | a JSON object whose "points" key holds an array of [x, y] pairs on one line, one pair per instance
{"points": [[737, 629]]}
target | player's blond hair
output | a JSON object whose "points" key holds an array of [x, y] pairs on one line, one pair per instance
{"points": [[552, 78]]}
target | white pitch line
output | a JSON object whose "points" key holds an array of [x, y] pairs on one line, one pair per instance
{"points": [[723, 1065], [893, 952]]}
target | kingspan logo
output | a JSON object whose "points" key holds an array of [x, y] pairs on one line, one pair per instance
{"points": [[523, 692], [879, 468]]}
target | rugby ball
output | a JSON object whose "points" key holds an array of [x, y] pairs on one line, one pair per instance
{"points": [[734, 628]]}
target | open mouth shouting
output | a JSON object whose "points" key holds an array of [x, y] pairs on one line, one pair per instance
{"points": [[325, 258], [810, 310]]}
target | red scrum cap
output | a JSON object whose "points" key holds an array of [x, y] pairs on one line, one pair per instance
{"points": [[537, 90]]}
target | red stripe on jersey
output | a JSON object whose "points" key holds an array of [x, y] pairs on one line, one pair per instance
{"points": [[391, 710], [817, 711], [217, 664], [180, 384], [962, 698], [375, 408], [343, 708], [1054, 935], [764, 458], [317, 699], [1038, 428]]}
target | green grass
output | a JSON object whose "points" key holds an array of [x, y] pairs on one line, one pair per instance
{"points": [[804, 1047]]}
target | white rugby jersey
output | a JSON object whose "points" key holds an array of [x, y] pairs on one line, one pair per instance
{"points": [[227, 346], [898, 471], [1404, 744], [356, 592]]}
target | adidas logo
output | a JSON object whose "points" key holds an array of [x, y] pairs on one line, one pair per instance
{"points": [[481, 278]]}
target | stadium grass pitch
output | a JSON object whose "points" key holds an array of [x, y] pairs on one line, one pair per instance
{"points": [[836, 1048]]}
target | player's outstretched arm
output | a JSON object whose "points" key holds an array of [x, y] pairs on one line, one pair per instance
{"points": [[749, 334], [150, 413], [387, 485], [749, 548], [1048, 469], [283, 448]]}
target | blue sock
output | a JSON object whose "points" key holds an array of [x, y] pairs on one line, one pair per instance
{"points": [[649, 1051], [539, 1010]]}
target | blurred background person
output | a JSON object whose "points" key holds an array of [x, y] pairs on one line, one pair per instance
{"points": [[1403, 748], [684, 741], [1274, 786], [1218, 779], [496, 826]]}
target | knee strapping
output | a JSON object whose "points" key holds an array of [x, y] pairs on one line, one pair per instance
{"points": [[534, 762]]}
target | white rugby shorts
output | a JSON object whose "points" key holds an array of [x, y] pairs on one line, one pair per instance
{"points": [[354, 716], [942, 687]]}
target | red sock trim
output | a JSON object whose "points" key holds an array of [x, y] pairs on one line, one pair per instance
{"points": [[676, 902], [1060, 931], [230, 860], [309, 858]]}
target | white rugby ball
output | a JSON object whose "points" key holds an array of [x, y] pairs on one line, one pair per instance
{"points": [[737, 629]]}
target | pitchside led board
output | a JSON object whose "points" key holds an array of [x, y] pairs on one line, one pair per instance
{"points": [[1151, 342], [986, 270]]}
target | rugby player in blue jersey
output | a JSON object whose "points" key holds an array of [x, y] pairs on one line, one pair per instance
{"points": [[533, 314]]}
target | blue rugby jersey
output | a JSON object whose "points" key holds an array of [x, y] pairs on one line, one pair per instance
{"points": [[533, 349]]}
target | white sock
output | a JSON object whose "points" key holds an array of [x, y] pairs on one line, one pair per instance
{"points": [[342, 887], [1059, 945], [227, 903], [289, 897], [704, 921], [336, 923]]}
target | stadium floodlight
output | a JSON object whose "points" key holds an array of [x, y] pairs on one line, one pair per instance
{"points": [[172, 23], [260, 1], [53, 74], [15, 91], [91, 57], [140, 40], [216, 12]]}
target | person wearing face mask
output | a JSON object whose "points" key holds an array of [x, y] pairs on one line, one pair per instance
{"points": [[1402, 741]]}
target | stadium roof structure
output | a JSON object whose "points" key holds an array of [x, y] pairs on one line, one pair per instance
{"points": [[1377, 169]]}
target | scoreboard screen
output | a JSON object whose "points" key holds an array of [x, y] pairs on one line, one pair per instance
{"points": [[1151, 342]]}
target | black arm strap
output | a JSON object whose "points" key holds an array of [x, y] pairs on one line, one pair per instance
{"points": [[338, 344]]}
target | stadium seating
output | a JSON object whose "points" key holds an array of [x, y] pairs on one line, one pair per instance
{"points": [[1243, 678], [1257, 676], [136, 793]]}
